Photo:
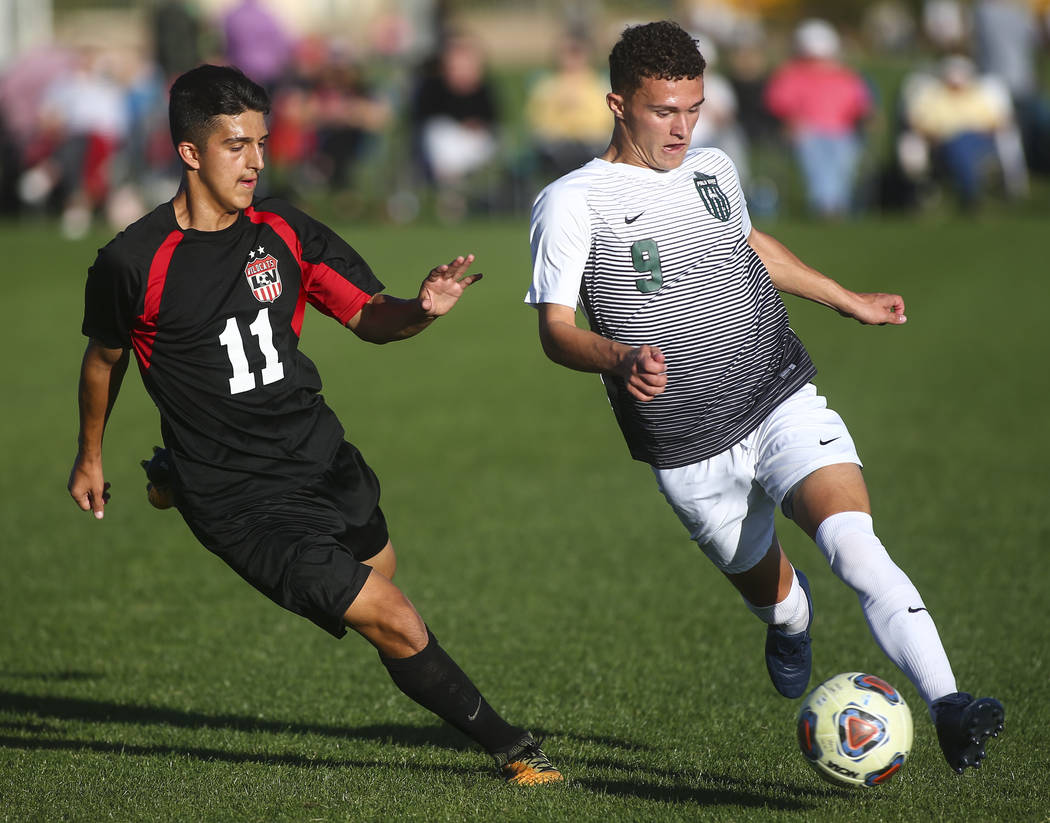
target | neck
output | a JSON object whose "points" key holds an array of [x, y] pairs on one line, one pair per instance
{"points": [[193, 211], [622, 151]]}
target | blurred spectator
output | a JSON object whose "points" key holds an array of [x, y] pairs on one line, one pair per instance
{"points": [[23, 143], [1007, 40], [147, 172], [454, 118], [323, 116], [84, 120], [256, 42], [348, 114], [10, 164], [823, 104], [889, 26], [567, 116], [944, 23], [748, 72], [718, 126], [176, 37], [966, 127]]}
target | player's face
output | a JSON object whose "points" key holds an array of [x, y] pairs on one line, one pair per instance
{"points": [[228, 168], [656, 121]]}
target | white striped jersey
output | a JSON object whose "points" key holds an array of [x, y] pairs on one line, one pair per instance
{"points": [[661, 258]]}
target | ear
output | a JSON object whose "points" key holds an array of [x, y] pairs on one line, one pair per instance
{"points": [[616, 103], [189, 154]]}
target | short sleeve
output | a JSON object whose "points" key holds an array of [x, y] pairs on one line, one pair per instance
{"points": [[560, 239], [745, 215], [110, 298], [337, 280]]}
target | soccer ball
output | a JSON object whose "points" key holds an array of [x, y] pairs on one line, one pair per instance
{"points": [[855, 730]]}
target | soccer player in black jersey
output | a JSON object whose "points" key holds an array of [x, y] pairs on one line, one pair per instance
{"points": [[209, 291]]}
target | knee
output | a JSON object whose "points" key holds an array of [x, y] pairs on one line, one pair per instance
{"points": [[856, 554], [387, 619], [402, 633]]}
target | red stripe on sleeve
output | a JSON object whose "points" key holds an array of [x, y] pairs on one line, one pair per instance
{"points": [[322, 285], [144, 331]]}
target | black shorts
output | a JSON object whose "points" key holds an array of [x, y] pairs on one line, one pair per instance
{"points": [[304, 549]]}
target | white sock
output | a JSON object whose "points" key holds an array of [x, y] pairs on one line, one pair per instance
{"points": [[791, 614], [896, 615]]}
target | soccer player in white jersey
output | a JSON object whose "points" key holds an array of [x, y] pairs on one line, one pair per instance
{"points": [[709, 384]]}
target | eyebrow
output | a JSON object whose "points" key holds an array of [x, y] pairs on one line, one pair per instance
{"points": [[663, 107], [241, 138]]}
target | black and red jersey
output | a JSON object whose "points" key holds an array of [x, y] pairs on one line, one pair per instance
{"points": [[214, 320]]}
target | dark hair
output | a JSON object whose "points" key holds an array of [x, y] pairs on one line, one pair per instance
{"points": [[661, 50], [207, 92]]}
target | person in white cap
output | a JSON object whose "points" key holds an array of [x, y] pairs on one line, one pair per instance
{"points": [[822, 103]]}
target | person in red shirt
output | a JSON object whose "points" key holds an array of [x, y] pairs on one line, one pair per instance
{"points": [[822, 104]]}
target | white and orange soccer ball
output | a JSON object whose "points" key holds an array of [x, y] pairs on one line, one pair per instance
{"points": [[855, 730]]}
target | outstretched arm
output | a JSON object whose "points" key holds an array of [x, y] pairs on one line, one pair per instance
{"points": [[565, 343], [791, 275], [385, 318], [101, 374]]}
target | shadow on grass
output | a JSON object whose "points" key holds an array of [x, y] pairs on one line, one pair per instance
{"points": [[34, 732], [100, 711], [52, 677], [664, 786], [713, 790], [216, 755], [649, 782]]}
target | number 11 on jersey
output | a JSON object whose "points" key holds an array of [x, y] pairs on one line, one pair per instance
{"points": [[243, 379]]}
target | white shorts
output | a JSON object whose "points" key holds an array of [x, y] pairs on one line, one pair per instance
{"points": [[728, 501]]}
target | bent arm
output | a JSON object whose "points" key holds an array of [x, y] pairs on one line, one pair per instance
{"points": [[789, 274], [101, 374], [384, 319], [565, 343]]}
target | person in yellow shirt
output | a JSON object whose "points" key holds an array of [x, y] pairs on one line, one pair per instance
{"points": [[568, 120], [960, 114]]}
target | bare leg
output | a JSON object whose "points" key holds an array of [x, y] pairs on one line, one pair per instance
{"points": [[385, 562], [768, 581], [383, 615], [828, 491]]}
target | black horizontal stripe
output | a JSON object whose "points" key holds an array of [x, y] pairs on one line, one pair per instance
{"points": [[731, 355]]}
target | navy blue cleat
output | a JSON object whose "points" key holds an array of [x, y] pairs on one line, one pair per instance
{"points": [[964, 726], [789, 657]]}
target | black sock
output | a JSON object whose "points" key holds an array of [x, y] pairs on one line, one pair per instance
{"points": [[436, 683]]}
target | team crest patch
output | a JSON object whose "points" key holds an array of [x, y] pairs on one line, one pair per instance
{"points": [[715, 200], [263, 276]]}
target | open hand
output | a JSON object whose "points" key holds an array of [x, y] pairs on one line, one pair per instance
{"points": [[445, 284]]}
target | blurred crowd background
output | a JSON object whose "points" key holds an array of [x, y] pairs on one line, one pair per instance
{"points": [[433, 109]]}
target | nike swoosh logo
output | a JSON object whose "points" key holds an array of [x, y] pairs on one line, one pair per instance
{"points": [[832, 440], [913, 610], [478, 709], [629, 220]]}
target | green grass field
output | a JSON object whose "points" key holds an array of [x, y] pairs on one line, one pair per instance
{"points": [[140, 679]]}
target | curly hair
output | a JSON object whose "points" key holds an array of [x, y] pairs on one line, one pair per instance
{"points": [[661, 50]]}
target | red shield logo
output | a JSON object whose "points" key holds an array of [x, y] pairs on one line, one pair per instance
{"points": [[263, 277]]}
